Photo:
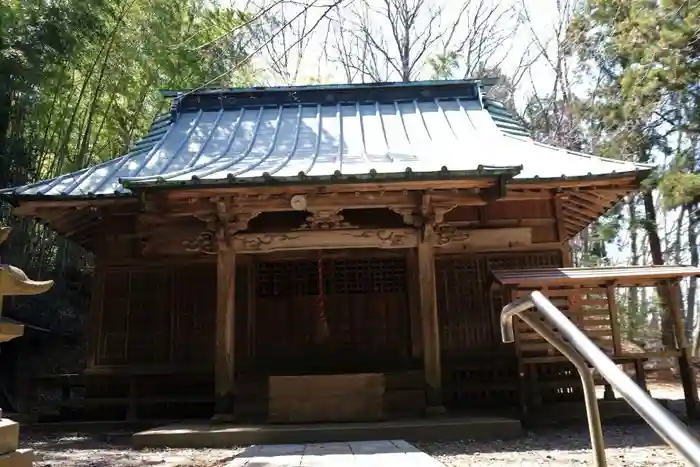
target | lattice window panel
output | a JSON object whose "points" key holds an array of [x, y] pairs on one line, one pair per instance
{"points": [[287, 279], [364, 310], [366, 276], [467, 306], [149, 317], [158, 315], [464, 318]]}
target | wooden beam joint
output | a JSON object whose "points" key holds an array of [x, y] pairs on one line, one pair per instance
{"points": [[220, 226]]}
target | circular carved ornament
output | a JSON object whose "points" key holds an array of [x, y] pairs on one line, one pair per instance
{"points": [[298, 202]]}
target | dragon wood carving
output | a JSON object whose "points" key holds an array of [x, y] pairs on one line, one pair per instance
{"points": [[318, 239]]}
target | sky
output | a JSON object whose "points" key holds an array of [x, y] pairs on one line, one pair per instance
{"points": [[317, 61]]}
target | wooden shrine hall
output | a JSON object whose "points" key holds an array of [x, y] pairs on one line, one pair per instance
{"points": [[334, 253]]}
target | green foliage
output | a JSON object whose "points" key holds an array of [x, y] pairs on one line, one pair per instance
{"points": [[443, 66], [648, 56], [679, 188], [78, 78], [643, 58]]}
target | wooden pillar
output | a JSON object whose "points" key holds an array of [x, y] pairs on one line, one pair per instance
{"points": [[685, 367], [429, 321], [225, 333], [95, 317], [614, 320]]}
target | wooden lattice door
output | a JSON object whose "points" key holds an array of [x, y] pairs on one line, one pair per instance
{"points": [[361, 303]]}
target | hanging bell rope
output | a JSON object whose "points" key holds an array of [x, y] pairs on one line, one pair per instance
{"points": [[323, 322]]}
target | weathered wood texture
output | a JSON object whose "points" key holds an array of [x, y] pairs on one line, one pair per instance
{"points": [[225, 328], [326, 398], [157, 315], [588, 308], [155, 336], [546, 375], [163, 315], [363, 307], [429, 319], [478, 370]]}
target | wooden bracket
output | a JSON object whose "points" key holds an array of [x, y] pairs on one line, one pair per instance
{"points": [[221, 226], [433, 217], [407, 214]]}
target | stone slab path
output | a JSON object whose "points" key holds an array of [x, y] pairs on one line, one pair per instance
{"points": [[357, 454]]}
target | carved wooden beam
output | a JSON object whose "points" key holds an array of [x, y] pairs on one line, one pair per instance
{"points": [[249, 243], [445, 240], [482, 239]]}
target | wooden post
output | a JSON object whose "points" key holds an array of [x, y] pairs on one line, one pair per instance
{"points": [[95, 317], [614, 320], [685, 367], [429, 320], [225, 333]]}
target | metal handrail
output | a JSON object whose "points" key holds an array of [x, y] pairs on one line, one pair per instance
{"points": [[582, 352]]}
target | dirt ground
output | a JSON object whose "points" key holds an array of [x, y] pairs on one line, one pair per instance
{"points": [[633, 445]]}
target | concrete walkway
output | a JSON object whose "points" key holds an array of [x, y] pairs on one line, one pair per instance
{"points": [[356, 454]]}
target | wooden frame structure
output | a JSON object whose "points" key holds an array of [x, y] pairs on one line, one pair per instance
{"points": [[587, 297], [224, 287]]}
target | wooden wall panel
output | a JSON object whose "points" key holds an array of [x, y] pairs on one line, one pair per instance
{"points": [[523, 209], [545, 233], [467, 306], [114, 310], [158, 316], [478, 370], [194, 313]]}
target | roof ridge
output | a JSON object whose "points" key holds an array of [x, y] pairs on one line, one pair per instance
{"points": [[320, 87]]}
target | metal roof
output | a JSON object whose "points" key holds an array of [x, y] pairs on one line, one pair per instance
{"points": [[572, 276], [314, 133], [504, 119]]}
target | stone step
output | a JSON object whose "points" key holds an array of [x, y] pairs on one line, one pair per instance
{"points": [[385, 453], [206, 435], [18, 458]]}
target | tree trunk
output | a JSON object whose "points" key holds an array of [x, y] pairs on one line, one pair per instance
{"points": [[657, 258], [693, 282], [633, 321]]}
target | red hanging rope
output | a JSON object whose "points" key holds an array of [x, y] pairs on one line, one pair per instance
{"points": [[321, 299]]}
